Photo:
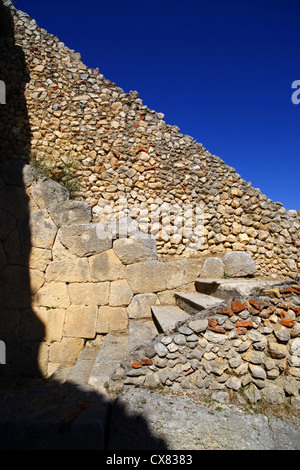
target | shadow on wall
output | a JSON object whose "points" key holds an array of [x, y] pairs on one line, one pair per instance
{"points": [[52, 415]]}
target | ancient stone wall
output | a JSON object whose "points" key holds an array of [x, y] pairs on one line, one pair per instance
{"points": [[104, 144], [64, 281]]}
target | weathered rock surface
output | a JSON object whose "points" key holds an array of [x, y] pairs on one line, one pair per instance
{"points": [[147, 420]]}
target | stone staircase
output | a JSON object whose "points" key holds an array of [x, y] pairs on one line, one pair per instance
{"points": [[95, 365]]}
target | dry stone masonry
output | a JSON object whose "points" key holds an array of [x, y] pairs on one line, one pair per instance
{"points": [[249, 345], [105, 144]]}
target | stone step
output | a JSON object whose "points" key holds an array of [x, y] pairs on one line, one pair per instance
{"points": [[140, 332], [228, 289], [113, 350], [167, 316], [194, 302]]}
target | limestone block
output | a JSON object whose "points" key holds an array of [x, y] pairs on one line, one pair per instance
{"points": [[42, 230], [106, 266], [91, 293], [238, 264], [66, 351], [41, 323], [71, 270], [81, 321], [140, 306], [36, 280], [70, 213], [52, 294], [138, 248], [111, 319], [179, 272], [82, 240], [147, 277], [39, 258], [46, 192], [213, 267], [120, 293]]}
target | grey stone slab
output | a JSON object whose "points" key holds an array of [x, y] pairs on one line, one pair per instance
{"points": [[140, 332], [166, 317], [230, 288], [111, 353], [194, 302]]}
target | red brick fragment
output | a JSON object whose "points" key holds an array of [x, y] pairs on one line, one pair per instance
{"points": [[296, 310], [216, 330], [241, 331], [225, 311], [287, 322], [136, 365], [147, 362], [212, 322], [237, 306], [281, 314], [244, 324], [254, 303]]}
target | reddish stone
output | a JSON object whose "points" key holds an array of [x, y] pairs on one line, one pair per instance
{"points": [[254, 303], [287, 322], [265, 315], [147, 362], [226, 311], [216, 330], [296, 310], [237, 306], [281, 314], [244, 324], [136, 365], [241, 331], [212, 322]]}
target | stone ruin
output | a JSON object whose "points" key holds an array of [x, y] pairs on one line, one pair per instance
{"points": [[64, 283]]}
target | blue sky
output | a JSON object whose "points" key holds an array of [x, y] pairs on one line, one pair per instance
{"points": [[222, 71]]}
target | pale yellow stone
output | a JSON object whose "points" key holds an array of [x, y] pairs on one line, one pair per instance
{"points": [[71, 270], [52, 294], [81, 321], [37, 279], [66, 351], [90, 293], [112, 319], [39, 258], [120, 293], [106, 266]]}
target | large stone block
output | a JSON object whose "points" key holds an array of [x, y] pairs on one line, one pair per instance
{"points": [[213, 267], [180, 272], [89, 293], [147, 277], [106, 266], [46, 192], [239, 264], [42, 230], [82, 240], [136, 249], [112, 319], [52, 294], [120, 293], [71, 270], [66, 351], [80, 321], [140, 306], [71, 213]]}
